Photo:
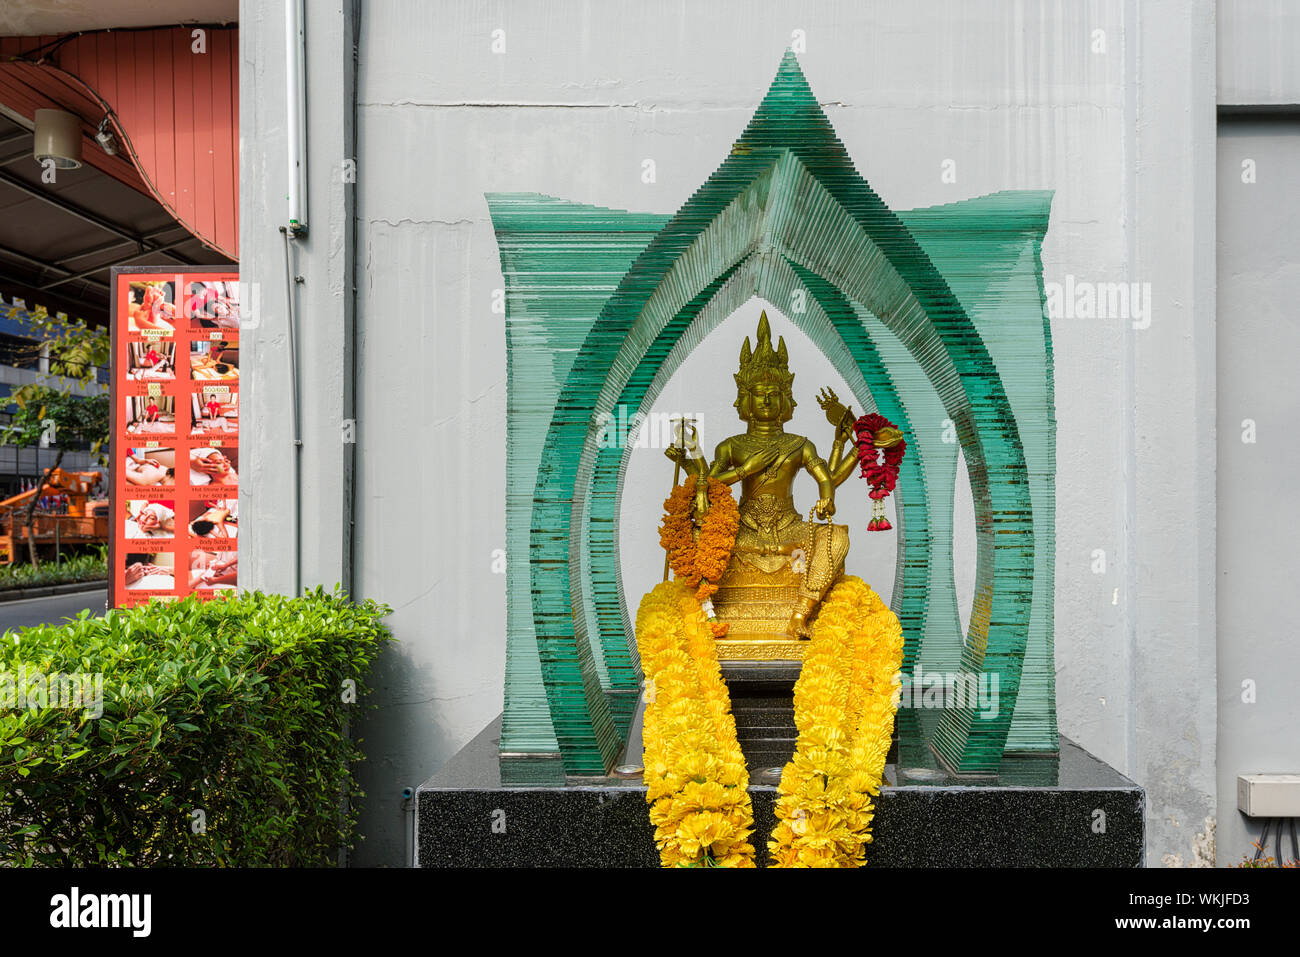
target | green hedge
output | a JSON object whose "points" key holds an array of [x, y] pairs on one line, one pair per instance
{"points": [[223, 738], [70, 568]]}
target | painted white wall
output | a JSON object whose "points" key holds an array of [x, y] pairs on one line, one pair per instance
{"points": [[1010, 94], [1166, 595]]}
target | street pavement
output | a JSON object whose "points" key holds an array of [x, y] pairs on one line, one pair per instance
{"points": [[52, 609]]}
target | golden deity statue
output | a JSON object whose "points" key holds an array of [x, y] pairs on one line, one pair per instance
{"points": [[782, 564]]}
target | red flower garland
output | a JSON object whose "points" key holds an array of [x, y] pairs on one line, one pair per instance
{"points": [[881, 473]]}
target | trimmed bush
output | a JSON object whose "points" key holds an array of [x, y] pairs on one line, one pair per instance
{"points": [[223, 738], [74, 568]]}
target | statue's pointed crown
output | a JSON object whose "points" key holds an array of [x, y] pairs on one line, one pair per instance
{"points": [[764, 360]]}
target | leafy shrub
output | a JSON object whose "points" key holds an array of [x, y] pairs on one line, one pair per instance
{"points": [[223, 738], [75, 568], [1263, 859]]}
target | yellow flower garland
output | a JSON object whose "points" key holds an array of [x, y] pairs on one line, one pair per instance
{"points": [[695, 773], [844, 701]]}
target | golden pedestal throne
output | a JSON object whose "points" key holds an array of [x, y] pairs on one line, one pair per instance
{"points": [[774, 573]]}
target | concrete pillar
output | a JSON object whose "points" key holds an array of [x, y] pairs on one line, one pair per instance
{"points": [[1172, 709], [325, 299]]}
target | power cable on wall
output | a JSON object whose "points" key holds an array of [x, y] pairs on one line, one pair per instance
{"points": [[290, 281]]}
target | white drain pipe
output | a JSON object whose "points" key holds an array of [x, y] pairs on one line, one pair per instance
{"points": [[295, 50]]}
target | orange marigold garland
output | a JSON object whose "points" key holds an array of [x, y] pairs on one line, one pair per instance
{"points": [[699, 554], [677, 533]]}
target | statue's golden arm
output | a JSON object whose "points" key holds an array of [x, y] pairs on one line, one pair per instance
{"points": [[816, 467], [842, 469], [700, 467], [841, 416], [686, 456], [719, 469], [750, 466]]}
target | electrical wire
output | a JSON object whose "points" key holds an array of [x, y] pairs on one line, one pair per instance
{"points": [[289, 282], [53, 45]]}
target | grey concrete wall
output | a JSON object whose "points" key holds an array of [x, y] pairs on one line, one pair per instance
{"points": [[1258, 339], [1258, 42], [323, 297], [1009, 95], [1169, 577]]}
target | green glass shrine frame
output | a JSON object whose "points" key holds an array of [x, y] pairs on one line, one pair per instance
{"points": [[934, 317]]}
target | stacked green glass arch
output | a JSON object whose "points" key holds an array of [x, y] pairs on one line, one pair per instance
{"points": [[933, 311]]}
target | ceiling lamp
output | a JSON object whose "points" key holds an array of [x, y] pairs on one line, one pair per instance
{"points": [[57, 138]]}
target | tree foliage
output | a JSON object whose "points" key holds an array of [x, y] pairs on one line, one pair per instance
{"points": [[77, 352], [52, 407], [68, 419]]}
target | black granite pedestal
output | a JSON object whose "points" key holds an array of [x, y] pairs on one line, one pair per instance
{"points": [[762, 702], [1066, 810]]}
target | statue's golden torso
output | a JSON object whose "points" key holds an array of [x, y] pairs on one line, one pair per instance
{"points": [[780, 558], [767, 512]]}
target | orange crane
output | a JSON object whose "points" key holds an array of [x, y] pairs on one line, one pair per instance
{"points": [[82, 525]]}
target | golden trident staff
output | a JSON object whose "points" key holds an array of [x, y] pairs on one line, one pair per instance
{"points": [[682, 424]]}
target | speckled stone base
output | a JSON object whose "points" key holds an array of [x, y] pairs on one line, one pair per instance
{"points": [[1040, 812]]}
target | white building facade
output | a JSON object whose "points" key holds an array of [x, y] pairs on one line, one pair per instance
{"points": [[1170, 135]]}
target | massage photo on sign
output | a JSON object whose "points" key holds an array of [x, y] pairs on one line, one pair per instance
{"points": [[155, 519], [214, 361], [215, 570], [215, 411], [151, 415], [151, 307], [213, 305], [150, 468], [152, 361], [218, 519], [213, 466]]}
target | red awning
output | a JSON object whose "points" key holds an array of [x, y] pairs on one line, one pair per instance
{"points": [[173, 99]]}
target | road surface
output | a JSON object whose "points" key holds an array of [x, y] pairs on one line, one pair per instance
{"points": [[51, 609]]}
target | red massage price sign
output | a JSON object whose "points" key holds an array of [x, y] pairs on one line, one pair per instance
{"points": [[174, 525]]}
